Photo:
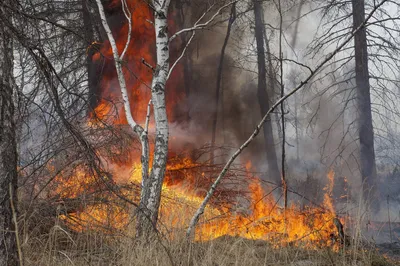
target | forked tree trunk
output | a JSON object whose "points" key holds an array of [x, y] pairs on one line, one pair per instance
{"points": [[8, 147], [151, 183], [151, 190], [365, 127], [263, 99]]}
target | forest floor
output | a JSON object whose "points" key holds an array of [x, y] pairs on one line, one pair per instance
{"points": [[64, 248]]}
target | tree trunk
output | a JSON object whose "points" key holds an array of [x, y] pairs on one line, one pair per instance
{"points": [[293, 80], [8, 147], [93, 77], [232, 18], [263, 99], [151, 191], [187, 60], [365, 127]]}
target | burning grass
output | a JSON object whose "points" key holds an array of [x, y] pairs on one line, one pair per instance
{"points": [[65, 247], [238, 210], [241, 226]]}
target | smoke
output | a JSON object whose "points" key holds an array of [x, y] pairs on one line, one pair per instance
{"points": [[325, 137]]}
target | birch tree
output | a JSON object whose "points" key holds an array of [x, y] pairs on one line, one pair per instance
{"points": [[151, 190], [8, 150], [152, 180]]}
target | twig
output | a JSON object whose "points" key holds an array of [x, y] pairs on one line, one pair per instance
{"points": [[198, 26], [128, 16], [146, 125], [182, 54], [147, 64], [390, 224], [14, 215]]}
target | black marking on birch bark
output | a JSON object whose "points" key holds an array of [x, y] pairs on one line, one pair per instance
{"points": [[162, 32], [158, 87], [143, 159], [142, 136], [161, 15], [160, 138], [138, 129], [157, 70]]}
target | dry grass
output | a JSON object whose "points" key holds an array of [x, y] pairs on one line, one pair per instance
{"points": [[62, 247], [49, 242]]}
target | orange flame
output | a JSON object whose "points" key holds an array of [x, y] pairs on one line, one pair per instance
{"points": [[263, 219]]}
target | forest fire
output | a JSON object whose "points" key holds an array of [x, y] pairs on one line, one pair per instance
{"points": [[311, 227], [185, 183], [262, 219], [138, 69], [198, 132]]}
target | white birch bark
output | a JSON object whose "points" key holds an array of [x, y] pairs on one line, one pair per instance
{"points": [[150, 202], [151, 184], [142, 134]]}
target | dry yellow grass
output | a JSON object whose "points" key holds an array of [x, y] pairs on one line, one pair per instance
{"points": [[60, 247]]}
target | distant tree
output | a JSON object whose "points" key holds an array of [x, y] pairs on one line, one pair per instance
{"points": [[368, 81], [365, 127], [262, 93]]}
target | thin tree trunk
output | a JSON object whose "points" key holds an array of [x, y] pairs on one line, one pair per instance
{"points": [[283, 158], [292, 77], [144, 216], [8, 147], [262, 94], [232, 18], [365, 127], [93, 79], [273, 88], [187, 61]]}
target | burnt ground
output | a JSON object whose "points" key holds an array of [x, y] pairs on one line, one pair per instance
{"points": [[387, 238], [392, 250]]}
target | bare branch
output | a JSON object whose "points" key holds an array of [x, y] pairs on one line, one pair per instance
{"points": [[182, 54], [198, 26], [121, 79], [128, 16], [146, 125]]}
